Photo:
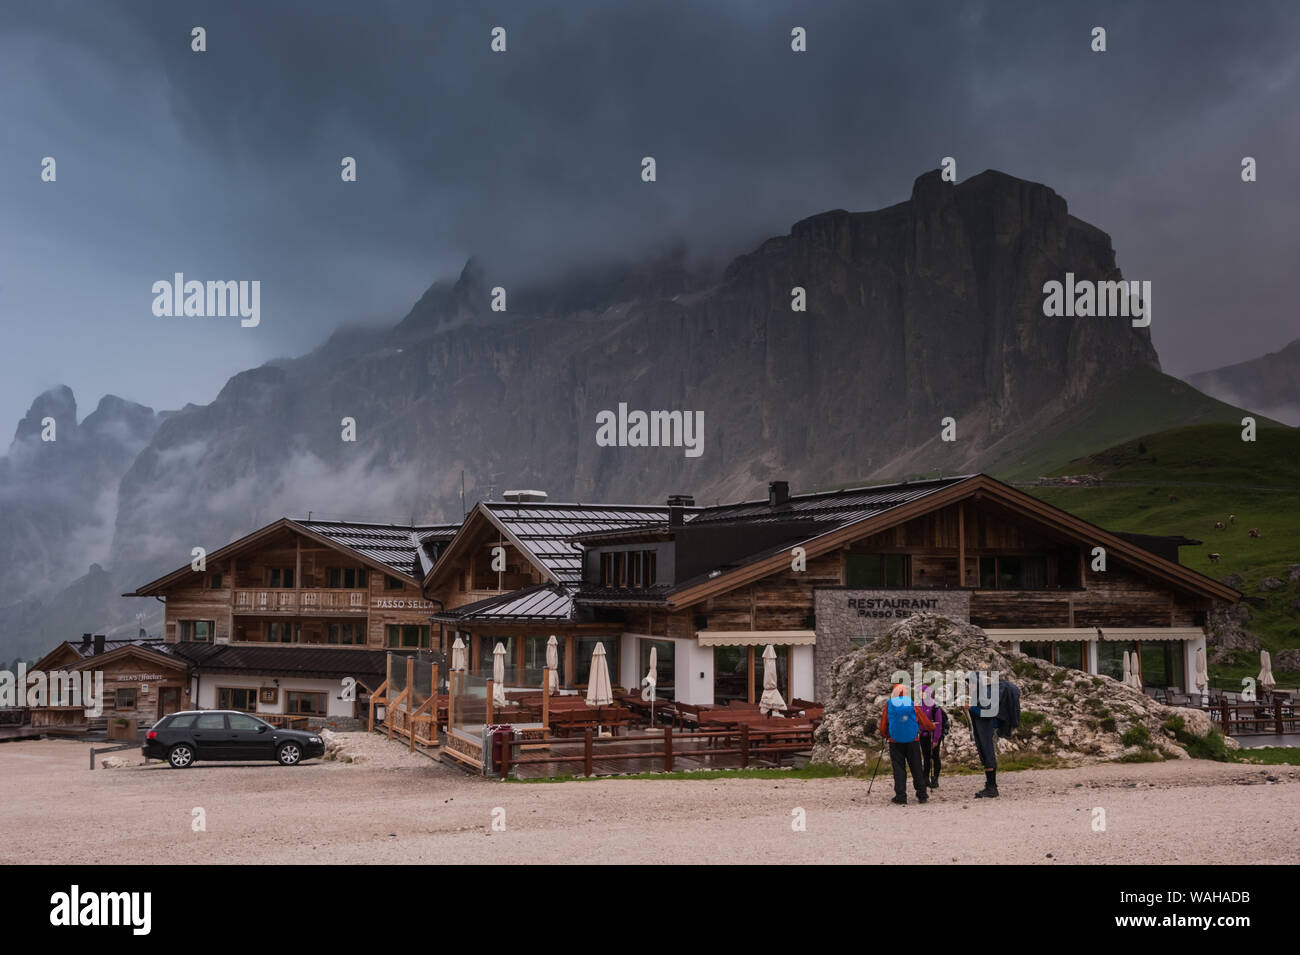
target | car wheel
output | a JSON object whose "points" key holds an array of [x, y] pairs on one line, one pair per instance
{"points": [[289, 754], [180, 756]]}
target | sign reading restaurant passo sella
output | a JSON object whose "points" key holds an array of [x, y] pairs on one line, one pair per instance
{"points": [[888, 607]]}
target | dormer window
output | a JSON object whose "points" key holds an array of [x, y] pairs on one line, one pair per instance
{"points": [[636, 569]]}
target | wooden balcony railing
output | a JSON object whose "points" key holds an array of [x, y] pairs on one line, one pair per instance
{"points": [[274, 601]]}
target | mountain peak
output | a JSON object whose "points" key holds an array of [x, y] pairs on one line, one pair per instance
{"points": [[58, 403]]}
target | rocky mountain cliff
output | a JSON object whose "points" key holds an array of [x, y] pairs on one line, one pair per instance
{"points": [[1269, 384], [59, 496], [928, 309]]}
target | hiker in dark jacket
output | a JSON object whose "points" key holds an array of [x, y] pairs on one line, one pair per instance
{"points": [[931, 739], [984, 725], [901, 723]]}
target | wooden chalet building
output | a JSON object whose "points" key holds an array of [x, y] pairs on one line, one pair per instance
{"points": [[277, 619], [142, 682], [710, 587]]}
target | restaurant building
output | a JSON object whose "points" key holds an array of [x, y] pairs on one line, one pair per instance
{"points": [[813, 575]]}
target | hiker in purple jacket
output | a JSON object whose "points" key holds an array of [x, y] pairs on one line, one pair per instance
{"points": [[930, 739]]}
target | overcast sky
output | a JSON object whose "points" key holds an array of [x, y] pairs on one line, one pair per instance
{"points": [[225, 164]]}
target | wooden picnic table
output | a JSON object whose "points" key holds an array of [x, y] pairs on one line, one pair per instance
{"points": [[733, 717], [764, 729]]}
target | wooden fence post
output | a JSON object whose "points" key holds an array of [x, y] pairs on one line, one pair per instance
{"points": [[410, 700], [507, 753], [451, 698], [490, 691], [668, 748], [546, 701], [1277, 716], [1227, 720], [434, 691], [586, 752], [744, 745]]}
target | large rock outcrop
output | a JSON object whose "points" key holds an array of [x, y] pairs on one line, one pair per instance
{"points": [[1228, 639], [1066, 715]]}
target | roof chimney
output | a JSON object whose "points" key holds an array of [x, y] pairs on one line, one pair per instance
{"points": [[677, 505], [99, 644], [778, 493], [85, 641], [524, 497]]}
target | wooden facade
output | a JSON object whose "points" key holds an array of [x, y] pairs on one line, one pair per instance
{"points": [[285, 587], [140, 686], [1071, 594]]}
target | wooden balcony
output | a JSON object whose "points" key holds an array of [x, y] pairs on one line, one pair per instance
{"points": [[326, 602]]}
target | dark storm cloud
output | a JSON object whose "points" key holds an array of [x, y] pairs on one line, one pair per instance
{"points": [[225, 164]]}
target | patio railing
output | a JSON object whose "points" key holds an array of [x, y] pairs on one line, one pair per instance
{"points": [[661, 751]]}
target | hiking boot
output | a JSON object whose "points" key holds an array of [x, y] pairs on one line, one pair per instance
{"points": [[922, 797], [934, 783], [988, 792], [899, 800]]}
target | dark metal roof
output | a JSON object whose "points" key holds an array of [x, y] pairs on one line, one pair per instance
{"points": [[832, 507], [87, 650], [542, 603], [545, 529], [406, 549], [283, 660], [1166, 547], [590, 594]]}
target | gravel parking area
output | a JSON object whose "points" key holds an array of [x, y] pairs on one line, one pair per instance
{"points": [[391, 806]]}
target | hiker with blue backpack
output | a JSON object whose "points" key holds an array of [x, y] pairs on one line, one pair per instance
{"points": [[901, 723]]}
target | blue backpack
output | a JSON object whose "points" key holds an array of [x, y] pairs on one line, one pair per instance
{"points": [[903, 727]]}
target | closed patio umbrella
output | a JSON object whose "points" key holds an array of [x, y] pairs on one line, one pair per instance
{"points": [[649, 681], [1128, 670], [771, 700], [1265, 678], [1202, 676], [458, 661], [553, 665], [600, 692], [499, 674]]}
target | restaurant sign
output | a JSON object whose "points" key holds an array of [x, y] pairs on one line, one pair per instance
{"points": [[141, 677], [847, 619]]}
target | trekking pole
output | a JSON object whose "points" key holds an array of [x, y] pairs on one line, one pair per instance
{"points": [[877, 769]]}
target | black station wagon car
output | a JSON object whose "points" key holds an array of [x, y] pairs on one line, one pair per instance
{"points": [[184, 738]]}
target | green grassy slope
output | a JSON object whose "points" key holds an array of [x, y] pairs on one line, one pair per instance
{"points": [[1213, 473], [1145, 402]]}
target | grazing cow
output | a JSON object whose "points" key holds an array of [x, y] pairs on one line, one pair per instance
{"points": [[1232, 518], [1173, 498], [1214, 558], [1219, 525], [1254, 532]]}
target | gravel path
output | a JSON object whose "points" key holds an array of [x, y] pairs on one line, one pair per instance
{"points": [[392, 807]]}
